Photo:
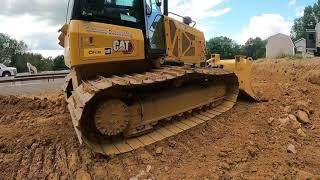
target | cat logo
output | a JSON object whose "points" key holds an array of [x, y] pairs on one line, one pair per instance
{"points": [[123, 46]]}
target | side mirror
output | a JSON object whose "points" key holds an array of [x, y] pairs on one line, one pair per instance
{"points": [[159, 2]]}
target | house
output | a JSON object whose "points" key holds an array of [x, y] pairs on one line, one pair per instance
{"points": [[301, 47], [304, 48], [311, 36], [279, 45], [312, 42], [317, 38]]}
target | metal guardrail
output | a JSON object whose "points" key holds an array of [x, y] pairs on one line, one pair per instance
{"points": [[35, 77], [40, 75]]}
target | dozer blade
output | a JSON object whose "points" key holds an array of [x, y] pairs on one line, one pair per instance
{"points": [[241, 66], [154, 105]]}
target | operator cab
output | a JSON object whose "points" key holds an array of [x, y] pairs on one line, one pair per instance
{"points": [[140, 14]]}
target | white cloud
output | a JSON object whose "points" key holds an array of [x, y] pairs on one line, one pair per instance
{"points": [[36, 22], [52, 11], [220, 12], [24, 25], [264, 26], [198, 10], [48, 53], [300, 11], [292, 3], [39, 34]]}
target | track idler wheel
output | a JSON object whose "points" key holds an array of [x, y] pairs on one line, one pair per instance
{"points": [[112, 117]]}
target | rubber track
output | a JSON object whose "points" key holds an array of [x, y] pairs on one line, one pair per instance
{"points": [[88, 89]]}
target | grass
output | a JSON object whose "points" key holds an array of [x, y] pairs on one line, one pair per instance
{"points": [[260, 60], [290, 57]]}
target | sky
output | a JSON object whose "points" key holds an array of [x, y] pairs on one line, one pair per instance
{"points": [[37, 21]]}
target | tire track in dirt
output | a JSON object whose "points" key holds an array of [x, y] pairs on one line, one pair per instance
{"points": [[49, 158], [74, 160], [61, 164], [26, 162], [36, 167]]}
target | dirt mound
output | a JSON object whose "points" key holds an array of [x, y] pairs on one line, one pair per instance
{"points": [[314, 77], [18, 109], [279, 138]]}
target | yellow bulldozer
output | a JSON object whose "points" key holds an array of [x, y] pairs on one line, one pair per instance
{"points": [[139, 76]]}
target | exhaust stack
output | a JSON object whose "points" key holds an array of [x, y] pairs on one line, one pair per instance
{"points": [[165, 8]]}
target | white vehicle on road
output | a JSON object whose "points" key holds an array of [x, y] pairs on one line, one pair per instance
{"points": [[7, 71]]}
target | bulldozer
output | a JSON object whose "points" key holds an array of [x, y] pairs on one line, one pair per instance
{"points": [[138, 75]]}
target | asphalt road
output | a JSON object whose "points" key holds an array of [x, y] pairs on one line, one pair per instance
{"points": [[31, 87]]}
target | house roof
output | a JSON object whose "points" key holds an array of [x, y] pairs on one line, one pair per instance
{"points": [[301, 39], [278, 34], [310, 30]]}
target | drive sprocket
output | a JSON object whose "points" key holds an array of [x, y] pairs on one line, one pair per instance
{"points": [[112, 117]]}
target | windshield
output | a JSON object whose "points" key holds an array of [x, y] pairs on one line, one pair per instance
{"points": [[124, 10]]}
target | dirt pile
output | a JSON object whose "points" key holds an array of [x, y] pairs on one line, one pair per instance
{"points": [[314, 77], [279, 138], [19, 109]]}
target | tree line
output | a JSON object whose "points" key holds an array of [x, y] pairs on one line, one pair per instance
{"points": [[14, 53], [309, 20], [228, 48]]}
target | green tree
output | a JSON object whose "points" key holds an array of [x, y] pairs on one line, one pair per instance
{"points": [[226, 47], [316, 10], [42, 64], [255, 48], [307, 21], [298, 31], [13, 53], [9, 47], [58, 63]]}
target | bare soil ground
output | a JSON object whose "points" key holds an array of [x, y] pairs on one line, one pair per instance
{"points": [[251, 141]]}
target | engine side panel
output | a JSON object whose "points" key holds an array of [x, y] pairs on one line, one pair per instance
{"points": [[183, 42], [92, 43]]}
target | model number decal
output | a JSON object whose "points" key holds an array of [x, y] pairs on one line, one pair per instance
{"points": [[94, 52]]}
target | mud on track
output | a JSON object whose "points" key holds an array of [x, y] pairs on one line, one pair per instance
{"points": [[37, 139]]}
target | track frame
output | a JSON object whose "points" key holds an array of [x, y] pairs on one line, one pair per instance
{"points": [[82, 95]]}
